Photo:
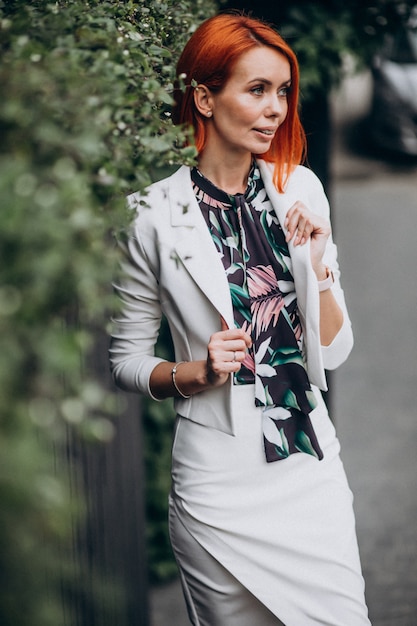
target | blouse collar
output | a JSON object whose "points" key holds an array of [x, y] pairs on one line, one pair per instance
{"points": [[218, 194]]}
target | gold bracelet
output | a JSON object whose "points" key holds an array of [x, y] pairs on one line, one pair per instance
{"points": [[174, 382]]}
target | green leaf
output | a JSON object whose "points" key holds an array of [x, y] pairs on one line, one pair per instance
{"points": [[303, 443]]}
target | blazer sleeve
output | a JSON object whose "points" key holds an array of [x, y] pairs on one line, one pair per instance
{"points": [[338, 351], [136, 325]]}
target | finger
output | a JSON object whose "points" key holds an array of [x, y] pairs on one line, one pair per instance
{"points": [[239, 344], [223, 323], [232, 350], [238, 356], [292, 221], [296, 230], [300, 228], [248, 341], [234, 333], [226, 355], [305, 228], [223, 364]]}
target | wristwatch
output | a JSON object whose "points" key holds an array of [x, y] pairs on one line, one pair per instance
{"points": [[327, 282]]}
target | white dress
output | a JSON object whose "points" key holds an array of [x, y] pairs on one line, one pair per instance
{"points": [[260, 544]]}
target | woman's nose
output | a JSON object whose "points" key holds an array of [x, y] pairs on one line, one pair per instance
{"points": [[277, 105]]}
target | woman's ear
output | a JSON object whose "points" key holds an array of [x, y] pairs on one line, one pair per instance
{"points": [[203, 100]]}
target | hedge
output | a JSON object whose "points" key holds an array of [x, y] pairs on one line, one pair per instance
{"points": [[84, 119]]}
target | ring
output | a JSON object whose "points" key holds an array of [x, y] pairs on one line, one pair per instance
{"points": [[234, 356]]}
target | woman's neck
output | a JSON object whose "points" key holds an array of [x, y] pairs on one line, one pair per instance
{"points": [[230, 177]]}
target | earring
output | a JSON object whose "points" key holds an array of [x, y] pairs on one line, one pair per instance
{"points": [[209, 113]]}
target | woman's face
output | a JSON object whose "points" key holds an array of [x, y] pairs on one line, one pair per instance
{"points": [[252, 104]]}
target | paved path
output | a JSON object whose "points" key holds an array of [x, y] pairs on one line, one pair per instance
{"points": [[374, 392], [375, 402]]}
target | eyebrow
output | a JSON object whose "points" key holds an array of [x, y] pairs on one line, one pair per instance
{"points": [[286, 83]]}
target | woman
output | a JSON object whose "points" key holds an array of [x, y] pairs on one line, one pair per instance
{"points": [[237, 253]]}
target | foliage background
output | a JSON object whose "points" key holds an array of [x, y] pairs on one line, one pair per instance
{"points": [[84, 118], [324, 32]]}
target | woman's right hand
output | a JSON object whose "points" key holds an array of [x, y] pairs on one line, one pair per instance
{"points": [[226, 351]]}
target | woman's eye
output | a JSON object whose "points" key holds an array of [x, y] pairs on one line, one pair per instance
{"points": [[283, 92], [258, 90]]}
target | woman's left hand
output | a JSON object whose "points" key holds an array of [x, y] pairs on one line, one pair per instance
{"points": [[303, 225]]}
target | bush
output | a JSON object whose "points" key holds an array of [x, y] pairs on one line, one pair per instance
{"points": [[84, 119]]}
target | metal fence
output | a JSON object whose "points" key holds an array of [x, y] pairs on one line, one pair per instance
{"points": [[109, 545]]}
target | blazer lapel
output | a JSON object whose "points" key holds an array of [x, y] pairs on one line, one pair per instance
{"points": [[304, 277], [300, 255], [194, 245]]}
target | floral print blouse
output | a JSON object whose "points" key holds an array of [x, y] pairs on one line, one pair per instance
{"points": [[251, 244]]}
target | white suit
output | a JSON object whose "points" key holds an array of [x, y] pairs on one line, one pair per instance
{"points": [[256, 542], [173, 268]]}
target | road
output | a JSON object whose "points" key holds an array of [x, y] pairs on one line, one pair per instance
{"points": [[375, 207]]}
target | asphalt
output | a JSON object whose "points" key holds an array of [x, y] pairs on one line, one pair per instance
{"points": [[374, 208]]}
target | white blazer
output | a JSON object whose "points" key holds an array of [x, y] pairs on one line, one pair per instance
{"points": [[171, 267]]}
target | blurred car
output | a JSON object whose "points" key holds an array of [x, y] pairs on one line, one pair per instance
{"points": [[392, 123]]}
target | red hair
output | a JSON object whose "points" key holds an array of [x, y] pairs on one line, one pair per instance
{"points": [[209, 58]]}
